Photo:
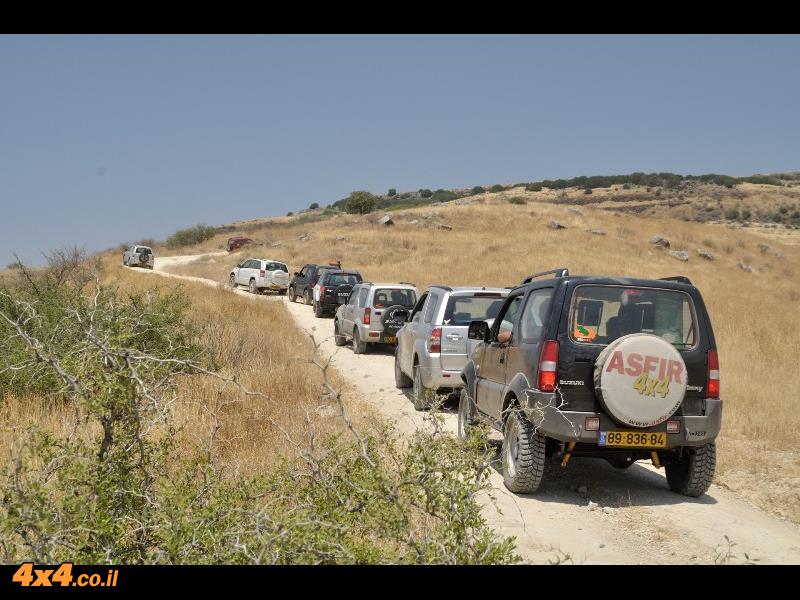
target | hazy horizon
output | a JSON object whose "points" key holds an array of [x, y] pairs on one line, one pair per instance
{"points": [[106, 139]]}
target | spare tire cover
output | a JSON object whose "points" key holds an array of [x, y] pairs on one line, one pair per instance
{"points": [[640, 379], [279, 278], [393, 318]]}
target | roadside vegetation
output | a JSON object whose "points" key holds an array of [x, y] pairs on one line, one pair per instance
{"points": [[144, 422]]}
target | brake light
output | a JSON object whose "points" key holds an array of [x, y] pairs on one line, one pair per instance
{"points": [[367, 316], [321, 291], [548, 366], [713, 375], [262, 273], [435, 340]]}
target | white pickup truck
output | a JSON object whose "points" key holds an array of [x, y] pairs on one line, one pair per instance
{"points": [[260, 275]]}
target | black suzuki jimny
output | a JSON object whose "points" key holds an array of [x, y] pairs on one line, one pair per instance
{"points": [[616, 368]]}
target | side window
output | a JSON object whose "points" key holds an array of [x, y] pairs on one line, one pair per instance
{"points": [[362, 297], [304, 271], [430, 308], [353, 297], [417, 315], [535, 314], [508, 315]]}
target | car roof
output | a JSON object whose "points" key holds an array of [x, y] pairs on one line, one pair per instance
{"points": [[142, 246], [468, 288], [679, 283], [343, 272], [399, 286]]}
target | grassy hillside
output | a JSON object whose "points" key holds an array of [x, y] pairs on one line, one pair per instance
{"points": [[496, 243]]}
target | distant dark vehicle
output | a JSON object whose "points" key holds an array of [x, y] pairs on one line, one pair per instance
{"points": [[235, 243], [619, 369], [333, 289], [305, 279]]}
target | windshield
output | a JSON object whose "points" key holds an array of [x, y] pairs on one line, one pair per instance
{"points": [[276, 266], [342, 279], [601, 314], [385, 297], [463, 309]]}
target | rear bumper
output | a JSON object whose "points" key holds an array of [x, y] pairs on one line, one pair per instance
{"points": [[375, 336], [434, 377], [569, 426]]}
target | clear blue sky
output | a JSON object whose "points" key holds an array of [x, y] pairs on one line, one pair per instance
{"points": [[104, 139]]}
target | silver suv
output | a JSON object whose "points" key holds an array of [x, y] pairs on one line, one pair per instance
{"points": [[373, 314], [432, 345], [139, 256], [259, 275]]}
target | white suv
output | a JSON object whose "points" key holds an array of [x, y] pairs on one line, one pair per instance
{"points": [[369, 315], [260, 274]]}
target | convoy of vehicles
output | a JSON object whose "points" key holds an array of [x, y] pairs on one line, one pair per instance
{"points": [[139, 256], [564, 366]]}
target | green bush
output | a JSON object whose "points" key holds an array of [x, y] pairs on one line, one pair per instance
{"points": [[191, 236], [289, 214], [392, 192], [425, 193], [313, 206], [361, 202], [587, 190], [517, 200], [477, 190], [497, 188], [534, 187]]}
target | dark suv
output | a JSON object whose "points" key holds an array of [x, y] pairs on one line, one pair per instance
{"points": [[303, 282], [617, 368], [334, 290]]}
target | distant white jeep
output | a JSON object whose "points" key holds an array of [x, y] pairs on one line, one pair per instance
{"points": [[260, 274], [139, 256]]}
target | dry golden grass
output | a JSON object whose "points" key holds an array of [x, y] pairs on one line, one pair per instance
{"points": [[494, 243], [259, 345]]}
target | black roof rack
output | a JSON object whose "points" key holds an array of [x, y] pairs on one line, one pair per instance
{"points": [[560, 272], [678, 278], [407, 283], [440, 285]]}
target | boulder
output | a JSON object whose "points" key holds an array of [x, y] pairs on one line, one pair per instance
{"points": [[386, 220], [679, 255], [443, 226], [705, 254], [660, 241], [745, 267], [764, 248], [575, 211], [341, 238], [597, 232], [414, 222], [304, 238], [556, 225]]}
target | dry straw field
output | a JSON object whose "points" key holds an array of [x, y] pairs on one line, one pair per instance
{"points": [[495, 243]]}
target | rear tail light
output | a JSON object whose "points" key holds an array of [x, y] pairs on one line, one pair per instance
{"points": [[367, 316], [262, 273], [321, 291], [591, 423], [713, 374], [673, 426], [548, 366], [435, 340]]}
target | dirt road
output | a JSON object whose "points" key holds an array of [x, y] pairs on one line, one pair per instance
{"points": [[638, 520]]}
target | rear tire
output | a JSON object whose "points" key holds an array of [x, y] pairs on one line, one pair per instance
{"points": [[523, 453], [318, 312], [281, 292], [290, 294], [252, 287], [359, 347], [422, 396], [693, 473], [401, 380], [338, 339], [232, 281], [466, 414]]}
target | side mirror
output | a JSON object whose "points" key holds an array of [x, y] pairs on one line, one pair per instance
{"points": [[478, 330]]}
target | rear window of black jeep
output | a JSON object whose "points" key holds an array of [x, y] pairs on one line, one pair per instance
{"points": [[599, 314], [342, 279]]}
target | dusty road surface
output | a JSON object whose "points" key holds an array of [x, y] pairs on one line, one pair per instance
{"points": [[638, 520]]}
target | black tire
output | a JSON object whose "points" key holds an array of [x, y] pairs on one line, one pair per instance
{"points": [[307, 298], [466, 414], [422, 396], [693, 473], [290, 294], [252, 287], [232, 280], [318, 312], [359, 347], [401, 380], [338, 339], [281, 292], [523, 453]]}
